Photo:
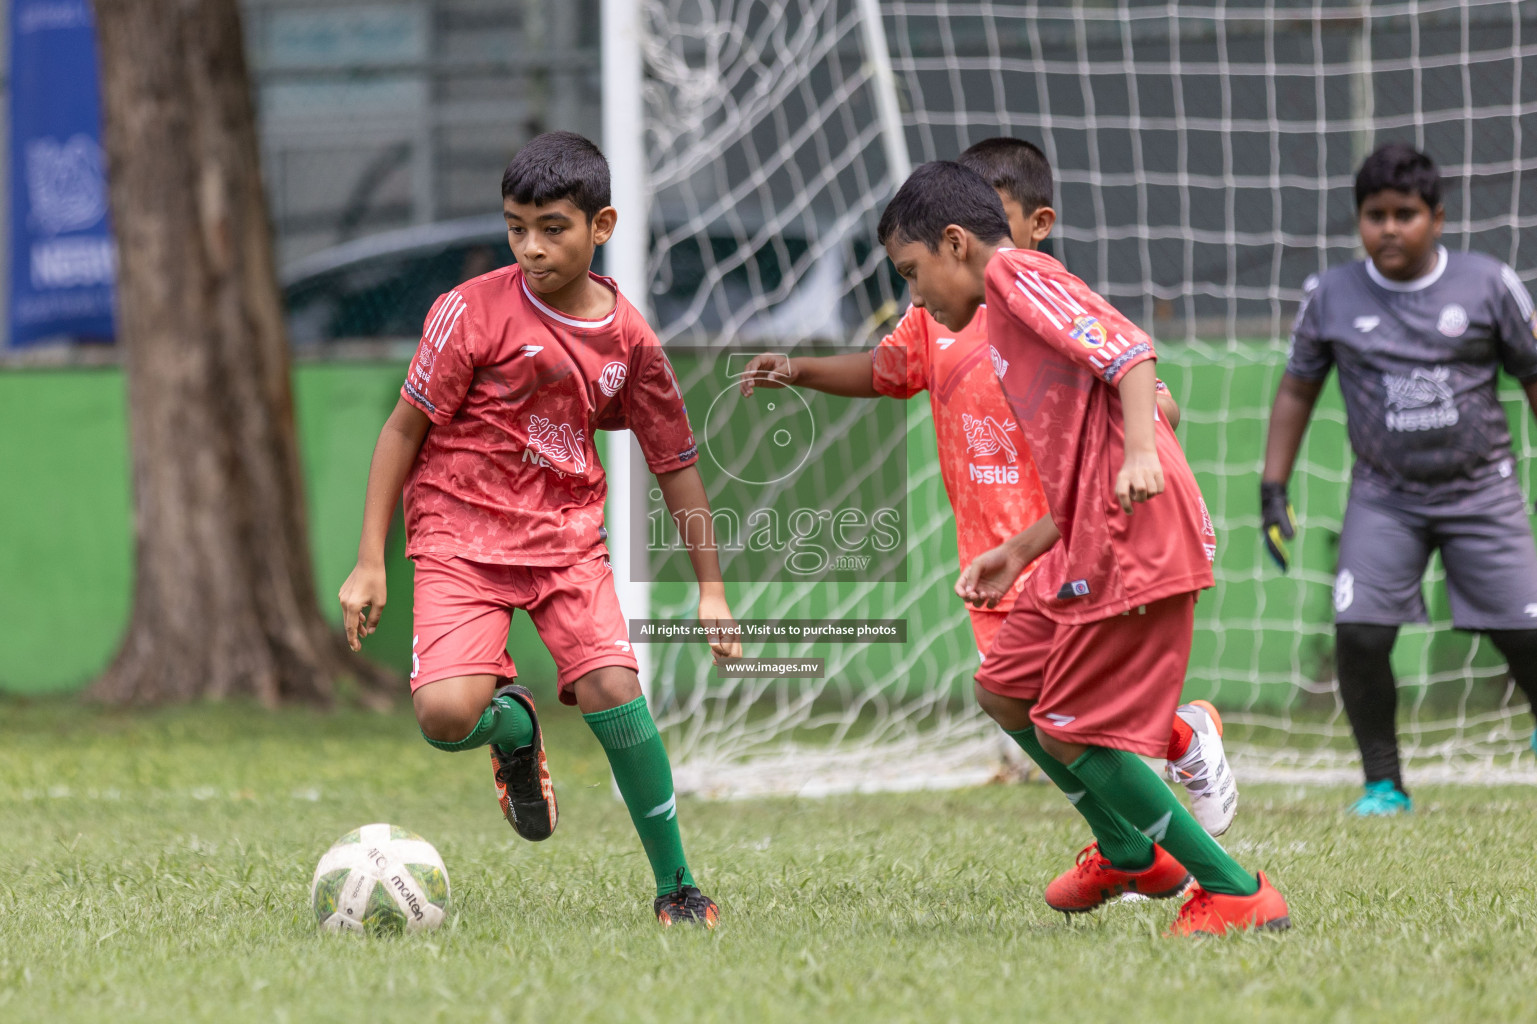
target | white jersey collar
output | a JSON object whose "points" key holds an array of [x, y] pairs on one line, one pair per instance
{"points": [[566, 318], [1418, 284]]}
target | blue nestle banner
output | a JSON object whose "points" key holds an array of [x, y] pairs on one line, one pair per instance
{"points": [[63, 261]]}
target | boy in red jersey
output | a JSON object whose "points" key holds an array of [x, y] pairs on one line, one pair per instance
{"points": [[995, 492], [1099, 671], [493, 439]]}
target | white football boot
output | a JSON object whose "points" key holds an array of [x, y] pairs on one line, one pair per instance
{"points": [[1204, 771]]}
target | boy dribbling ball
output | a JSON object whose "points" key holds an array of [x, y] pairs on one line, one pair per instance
{"points": [[493, 439], [1419, 335], [1097, 665]]}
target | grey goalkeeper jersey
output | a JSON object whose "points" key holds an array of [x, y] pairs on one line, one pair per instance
{"points": [[1419, 363]]}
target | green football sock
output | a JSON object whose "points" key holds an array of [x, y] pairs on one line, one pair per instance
{"points": [[1118, 840], [1135, 791], [505, 722], [639, 759]]}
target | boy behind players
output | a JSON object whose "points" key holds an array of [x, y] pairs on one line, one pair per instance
{"points": [[1099, 671], [494, 440], [991, 479], [1419, 335]]}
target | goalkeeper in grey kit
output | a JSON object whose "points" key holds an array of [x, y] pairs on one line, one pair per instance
{"points": [[1419, 335]]}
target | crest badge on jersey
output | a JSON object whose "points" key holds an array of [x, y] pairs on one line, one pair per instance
{"points": [[1453, 321], [1087, 331], [612, 378], [1000, 365]]}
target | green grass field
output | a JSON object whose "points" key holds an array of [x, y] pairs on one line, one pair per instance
{"points": [[155, 867]]}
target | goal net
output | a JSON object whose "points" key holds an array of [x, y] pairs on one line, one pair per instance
{"points": [[1204, 155]]}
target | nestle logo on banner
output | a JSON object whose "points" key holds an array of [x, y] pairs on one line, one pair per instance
{"points": [[66, 187], [73, 262], [67, 191]]}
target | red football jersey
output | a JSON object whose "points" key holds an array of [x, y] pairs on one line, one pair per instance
{"points": [[983, 458], [509, 472], [1060, 349]]}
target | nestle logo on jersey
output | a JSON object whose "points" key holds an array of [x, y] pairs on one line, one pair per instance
{"points": [[1422, 400], [994, 474], [987, 437], [556, 446]]}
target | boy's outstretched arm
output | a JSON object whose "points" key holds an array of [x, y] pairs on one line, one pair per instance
{"points": [[851, 375], [988, 578], [1141, 475], [1289, 417], [396, 450], [683, 491]]}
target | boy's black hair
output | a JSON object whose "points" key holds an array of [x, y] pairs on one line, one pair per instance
{"points": [[1402, 168], [556, 166], [1015, 167], [936, 195]]}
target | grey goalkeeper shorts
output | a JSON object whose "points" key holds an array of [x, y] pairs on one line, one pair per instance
{"points": [[1486, 546]]}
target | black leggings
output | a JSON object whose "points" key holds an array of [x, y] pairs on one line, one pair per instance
{"points": [[1364, 666]]}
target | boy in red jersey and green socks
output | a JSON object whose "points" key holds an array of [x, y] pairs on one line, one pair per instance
{"points": [[1097, 664], [493, 439], [996, 493]]}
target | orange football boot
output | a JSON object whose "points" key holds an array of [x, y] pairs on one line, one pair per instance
{"points": [[1215, 913], [523, 786], [686, 905], [1093, 881]]}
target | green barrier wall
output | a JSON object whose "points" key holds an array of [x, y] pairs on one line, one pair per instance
{"points": [[65, 566]]}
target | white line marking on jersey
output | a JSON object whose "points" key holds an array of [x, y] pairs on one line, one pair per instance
{"points": [[1517, 291], [1531, 611], [1020, 284], [1366, 324], [1072, 303], [1057, 719], [448, 315], [529, 351], [944, 343]]}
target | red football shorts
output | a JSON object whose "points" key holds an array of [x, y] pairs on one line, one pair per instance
{"points": [[985, 624], [463, 611], [1112, 683]]}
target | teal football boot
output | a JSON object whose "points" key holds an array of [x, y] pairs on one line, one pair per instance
{"points": [[1382, 800]]}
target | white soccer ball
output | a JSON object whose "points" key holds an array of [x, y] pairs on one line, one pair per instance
{"points": [[380, 878]]}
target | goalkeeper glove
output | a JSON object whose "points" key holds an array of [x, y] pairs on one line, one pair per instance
{"points": [[1277, 522]]}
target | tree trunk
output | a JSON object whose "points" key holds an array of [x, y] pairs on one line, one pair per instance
{"points": [[224, 598]]}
